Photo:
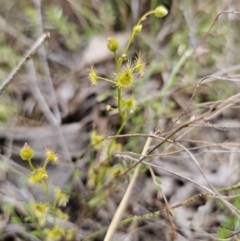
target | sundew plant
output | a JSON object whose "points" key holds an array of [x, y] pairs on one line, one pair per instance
{"points": [[127, 72], [40, 211]]}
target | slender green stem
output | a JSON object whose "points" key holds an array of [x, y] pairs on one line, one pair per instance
{"points": [[31, 165], [115, 58], [129, 42], [45, 164], [133, 33], [119, 102], [108, 80], [123, 120], [54, 207], [47, 191], [122, 125], [118, 65], [112, 141], [172, 79], [143, 18]]}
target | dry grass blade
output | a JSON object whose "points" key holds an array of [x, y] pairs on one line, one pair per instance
{"points": [[123, 204], [28, 56]]}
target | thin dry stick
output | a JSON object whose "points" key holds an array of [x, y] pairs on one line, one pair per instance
{"points": [[158, 145], [214, 192], [176, 174], [186, 124], [123, 204], [205, 116], [38, 96], [46, 110], [169, 219], [157, 213], [216, 195], [189, 103], [43, 61], [165, 140], [28, 56], [224, 105], [207, 144], [215, 19]]}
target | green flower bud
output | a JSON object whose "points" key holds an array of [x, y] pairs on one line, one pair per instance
{"points": [[124, 57], [129, 104], [26, 152], [38, 176], [137, 29], [161, 12], [112, 44]]}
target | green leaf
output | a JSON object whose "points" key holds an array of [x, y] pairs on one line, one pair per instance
{"points": [[29, 219], [158, 180], [38, 233], [15, 219], [222, 233], [158, 188]]}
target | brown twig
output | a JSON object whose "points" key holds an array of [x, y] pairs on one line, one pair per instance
{"points": [[124, 201], [43, 62], [157, 213], [28, 56]]}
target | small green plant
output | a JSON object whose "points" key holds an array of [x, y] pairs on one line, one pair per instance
{"points": [[39, 212], [230, 222], [126, 74], [59, 21]]}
